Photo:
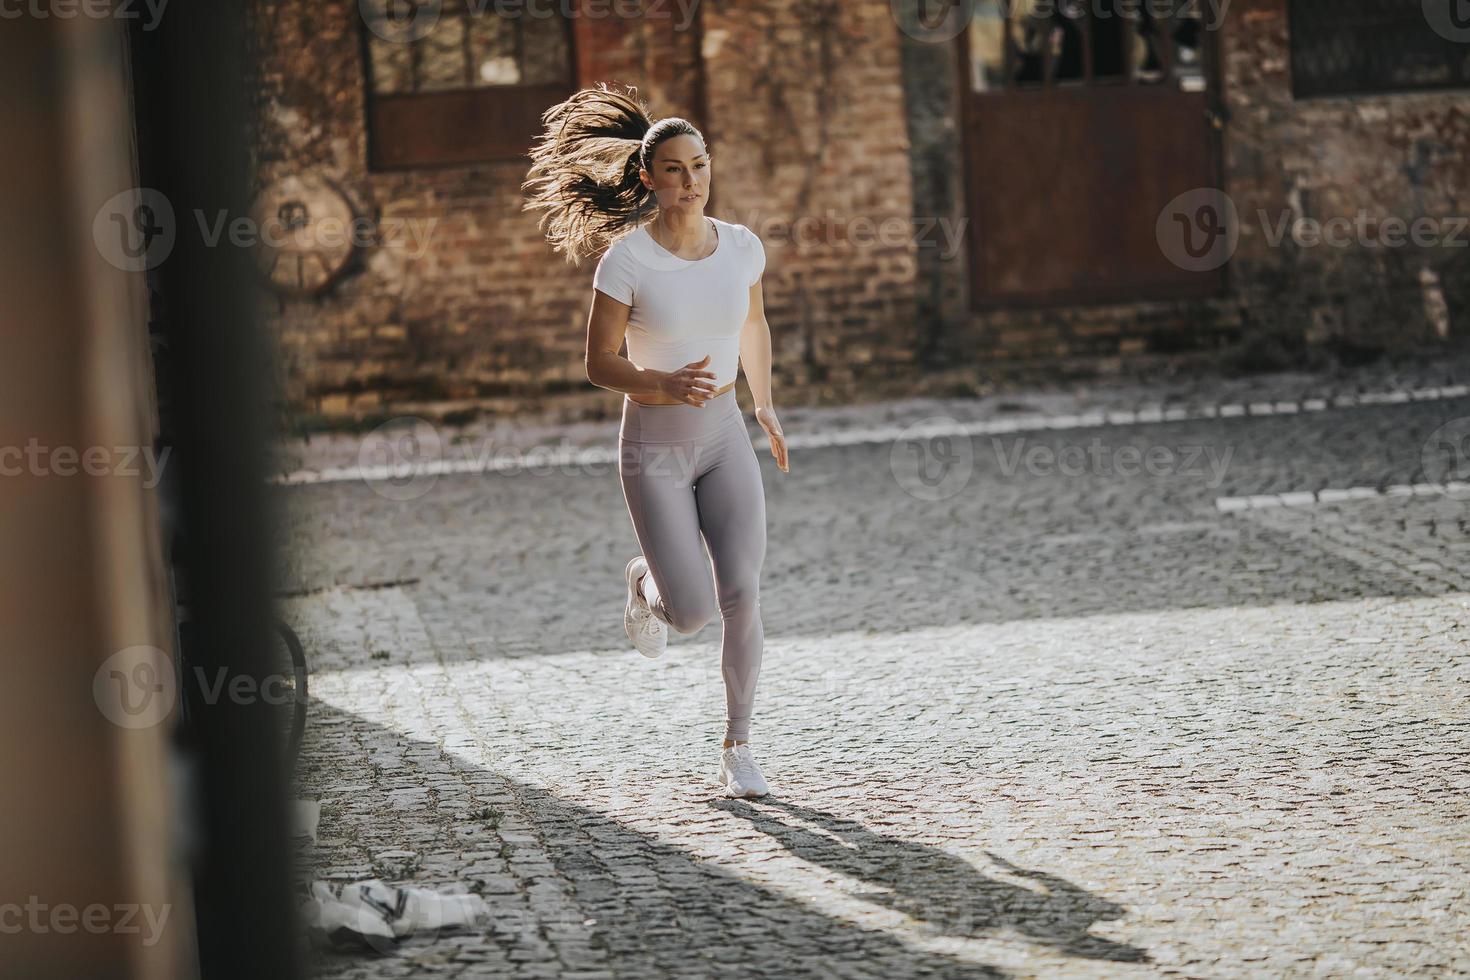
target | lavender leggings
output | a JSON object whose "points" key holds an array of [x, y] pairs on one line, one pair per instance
{"points": [[688, 470]]}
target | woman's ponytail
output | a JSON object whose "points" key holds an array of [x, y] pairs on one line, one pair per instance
{"points": [[584, 168]]}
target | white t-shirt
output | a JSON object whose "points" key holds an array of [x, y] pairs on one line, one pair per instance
{"points": [[683, 309]]}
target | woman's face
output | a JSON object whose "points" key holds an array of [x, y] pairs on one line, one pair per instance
{"points": [[680, 176]]}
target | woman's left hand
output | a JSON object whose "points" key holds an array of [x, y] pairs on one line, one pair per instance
{"points": [[767, 418]]}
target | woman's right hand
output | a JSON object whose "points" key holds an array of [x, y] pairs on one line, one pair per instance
{"points": [[687, 384]]}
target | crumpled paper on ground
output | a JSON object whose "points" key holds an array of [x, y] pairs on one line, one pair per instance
{"points": [[381, 915]]}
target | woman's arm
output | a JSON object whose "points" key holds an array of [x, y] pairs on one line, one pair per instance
{"points": [[755, 358], [755, 349], [606, 368]]}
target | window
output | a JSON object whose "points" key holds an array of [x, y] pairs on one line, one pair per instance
{"points": [[458, 81], [1019, 44], [1343, 47]]}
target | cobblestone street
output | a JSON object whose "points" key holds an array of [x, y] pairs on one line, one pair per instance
{"points": [[1132, 694]]}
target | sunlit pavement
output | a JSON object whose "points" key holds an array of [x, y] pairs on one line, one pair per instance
{"points": [[1018, 718]]}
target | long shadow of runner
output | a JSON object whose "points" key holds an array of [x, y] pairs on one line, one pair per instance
{"points": [[635, 905], [939, 889]]}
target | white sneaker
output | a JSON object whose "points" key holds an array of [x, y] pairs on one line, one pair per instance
{"points": [[648, 634], [739, 773]]}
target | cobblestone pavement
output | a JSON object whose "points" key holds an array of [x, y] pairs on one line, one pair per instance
{"points": [[1021, 716], [494, 436]]}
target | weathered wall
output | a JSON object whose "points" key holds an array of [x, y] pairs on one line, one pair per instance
{"points": [[805, 101], [830, 128], [1404, 156], [1398, 155], [488, 313], [488, 316], [1050, 342]]}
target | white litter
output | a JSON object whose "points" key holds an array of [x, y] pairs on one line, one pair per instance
{"points": [[381, 916]]}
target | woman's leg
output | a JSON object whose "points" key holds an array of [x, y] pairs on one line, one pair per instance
{"points": [[732, 514], [656, 485]]}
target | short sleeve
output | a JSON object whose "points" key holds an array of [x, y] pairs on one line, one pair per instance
{"points": [[615, 274], [757, 258]]}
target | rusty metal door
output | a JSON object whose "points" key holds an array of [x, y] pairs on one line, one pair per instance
{"points": [[1083, 120]]}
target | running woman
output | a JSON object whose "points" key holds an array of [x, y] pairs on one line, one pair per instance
{"points": [[685, 291]]}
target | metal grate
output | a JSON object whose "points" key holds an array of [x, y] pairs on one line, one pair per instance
{"points": [[1018, 44], [418, 46], [1344, 47]]}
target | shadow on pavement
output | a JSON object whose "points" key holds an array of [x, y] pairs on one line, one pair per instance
{"points": [[638, 905], [939, 889]]}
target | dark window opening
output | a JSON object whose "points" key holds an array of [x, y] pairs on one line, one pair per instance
{"points": [[1346, 47], [453, 82], [1027, 44]]}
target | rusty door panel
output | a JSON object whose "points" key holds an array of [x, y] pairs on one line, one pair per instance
{"points": [[1065, 187], [461, 126]]}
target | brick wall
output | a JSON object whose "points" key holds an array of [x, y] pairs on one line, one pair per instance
{"points": [[1394, 155], [805, 104], [974, 348], [488, 317], [827, 115], [1402, 155]]}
